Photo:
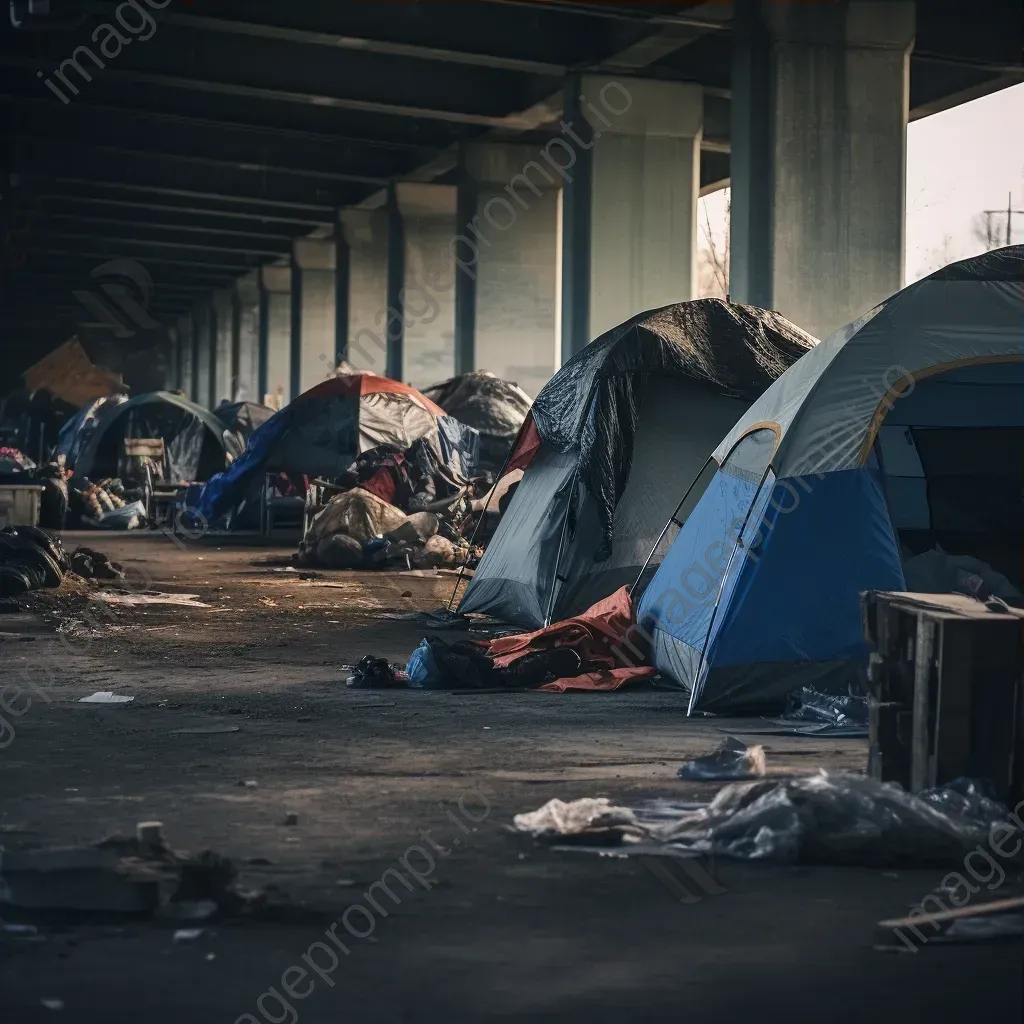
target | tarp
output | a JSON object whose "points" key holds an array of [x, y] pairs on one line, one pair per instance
{"points": [[907, 425], [69, 374], [494, 407]]}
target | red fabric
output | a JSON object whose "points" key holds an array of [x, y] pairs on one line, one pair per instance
{"points": [[603, 636], [527, 445], [368, 384], [383, 484]]}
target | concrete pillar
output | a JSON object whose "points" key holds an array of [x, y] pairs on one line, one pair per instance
{"points": [[428, 293], [631, 243], [315, 258], [263, 340], [185, 366], [341, 293], [222, 383], [246, 373], [819, 127], [395, 311], [508, 269], [366, 235], [277, 284], [196, 386], [295, 329], [173, 359], [206, 323]]}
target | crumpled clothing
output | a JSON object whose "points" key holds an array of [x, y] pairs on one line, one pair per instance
{"points": [[610, 649], [557, 818]]}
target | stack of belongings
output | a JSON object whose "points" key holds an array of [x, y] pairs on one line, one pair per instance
{"points": [[359, 530], [107, 505], [598, 650], [18, 468], [32, 559], [496, 408]]}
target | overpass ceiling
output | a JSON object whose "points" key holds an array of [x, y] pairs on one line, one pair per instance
{"points": [[240, 125]]}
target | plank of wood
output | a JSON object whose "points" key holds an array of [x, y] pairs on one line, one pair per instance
{"points": [[976, 910]]}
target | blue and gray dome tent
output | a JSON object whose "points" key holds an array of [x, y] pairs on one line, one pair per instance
{"points": [[903, 430]]}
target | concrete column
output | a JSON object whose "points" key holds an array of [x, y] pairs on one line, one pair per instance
{"points": [[196, 388], [315, 257], [634, 145], [221, 387], [295, 330], [277, 284], [263, 340], [207, 331], [185, 365], [366, 235], [342, 276], [428, 293], [819, 128], [507, 255], [395, 316], [173, 359], [247, 370]]}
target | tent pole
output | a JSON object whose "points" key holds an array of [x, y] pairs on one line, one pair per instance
{"points": [[671, 519], [561, 547], [721, 589]]}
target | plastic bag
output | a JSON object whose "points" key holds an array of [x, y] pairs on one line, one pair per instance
{"points": [[732, 759]]}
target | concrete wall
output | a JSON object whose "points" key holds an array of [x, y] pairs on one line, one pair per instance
{"points": [[428, 215], [248, 348], [224, 386], [366, 233], [517, 266], [277, 281], [316, 258], [205, 341], [185, 355]]}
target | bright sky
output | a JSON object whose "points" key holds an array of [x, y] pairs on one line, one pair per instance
{"points": [[959, 163]]}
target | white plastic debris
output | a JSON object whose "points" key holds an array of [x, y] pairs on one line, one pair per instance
{"points": [[105, 697], [187, 934], [53, 1004], [568, 819], [130, 600]]}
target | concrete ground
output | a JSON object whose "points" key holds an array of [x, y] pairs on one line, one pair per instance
{"points": [[498, 928]]}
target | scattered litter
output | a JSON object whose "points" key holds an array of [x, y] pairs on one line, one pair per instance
{"points": [[130, 600], [284, 568], [105, 697], [291, 818], [441, 618], [268, 602], [210, 956], [188, 910], [732, 759], [345, 882], [53, 1004], [19, 931], [819, 819], [248, 783], [406, 593], [205, 730], [813, 713], [150, 833], [376, 673], [984, 929], [187, 934], [978, 922]]}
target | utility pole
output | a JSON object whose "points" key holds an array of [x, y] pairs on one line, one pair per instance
{"points": [[1009, 211]]}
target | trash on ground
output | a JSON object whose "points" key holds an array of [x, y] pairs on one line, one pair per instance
{"points": [[52, 1004], [589, 817], [975, 922], [376, 673], [105, 697], [206, 730], [810, 712], [291, 818], [187, 934], [131, 600], [818, 819], [732, 759]]}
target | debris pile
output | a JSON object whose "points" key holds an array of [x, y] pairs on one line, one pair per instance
{"points": [[357, 529], [32, 559], [819, 819]]}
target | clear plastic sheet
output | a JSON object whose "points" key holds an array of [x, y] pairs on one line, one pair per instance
{"points": [[732, 759], [823, 819]]}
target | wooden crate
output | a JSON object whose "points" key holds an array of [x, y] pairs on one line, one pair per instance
{"points": [[945, 682]]}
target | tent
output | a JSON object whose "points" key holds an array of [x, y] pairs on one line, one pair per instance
{"points": [[905, 428], [242, 418], [495, 407], [322, 431], [606, 445], [196, 443]]}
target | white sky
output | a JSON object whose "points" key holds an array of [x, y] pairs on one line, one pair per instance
{"points": [[959, 163]]}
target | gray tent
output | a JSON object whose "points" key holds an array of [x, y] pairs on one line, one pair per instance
{"points": [[610, 444]]}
